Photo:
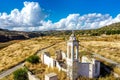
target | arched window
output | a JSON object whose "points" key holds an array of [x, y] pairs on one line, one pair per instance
{"points": [[75, 52], [96, 67], [69, 51]]}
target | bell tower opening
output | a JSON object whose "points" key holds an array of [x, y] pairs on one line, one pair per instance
{"points": [[75, 52]]}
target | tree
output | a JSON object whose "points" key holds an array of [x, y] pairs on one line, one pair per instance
{"points": [[20, 74], [33, 59]]}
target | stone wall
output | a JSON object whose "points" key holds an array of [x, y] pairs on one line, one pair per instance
{"points": [[48, 60], [59, 67], [51, 76], [97, 68], [52, 62], [83, 69], [94, 66], [63, 55], [32, 77]]}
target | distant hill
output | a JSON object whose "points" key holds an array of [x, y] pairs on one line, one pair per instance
{"points": [[114, 26], [6, 35], [108, 30]]}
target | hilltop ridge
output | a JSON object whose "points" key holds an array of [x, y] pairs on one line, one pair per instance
{"points": [[6, 35]]}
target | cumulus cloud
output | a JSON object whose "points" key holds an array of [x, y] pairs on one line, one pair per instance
{"points": [[31, 17], [77, 21]]}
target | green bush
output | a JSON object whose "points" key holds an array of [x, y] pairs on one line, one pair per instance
{"points": [[33, 59], [20, 74]]}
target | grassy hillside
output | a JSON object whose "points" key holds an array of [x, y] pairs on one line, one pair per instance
{"points": [[108, 30], [5, 44], [6, 35], [18, 52], [115, 26], [107, 46]]}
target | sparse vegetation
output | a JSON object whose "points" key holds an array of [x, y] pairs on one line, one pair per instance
{"points": [[20, 74], [37, 69], [41, 69], [33, 59], [109, 77]]}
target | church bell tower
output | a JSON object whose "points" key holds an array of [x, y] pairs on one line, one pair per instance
{"points": [[72, 57]]}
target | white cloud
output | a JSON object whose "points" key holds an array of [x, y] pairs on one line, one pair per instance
{"points": [[31, 17], [75, 21]]}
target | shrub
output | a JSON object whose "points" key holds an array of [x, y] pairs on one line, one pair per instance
{"points": [[33, 59], [20, 74]]}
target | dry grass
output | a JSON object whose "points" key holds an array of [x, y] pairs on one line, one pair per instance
{"points": [[117, 70], [109, 50], [9, 77], [100, 38], [5, 44], [18, 52], [37, 69], [108, 46], [40, 70], [61, 46]]}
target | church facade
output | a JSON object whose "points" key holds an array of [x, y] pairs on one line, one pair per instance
{"points": [[72, 65]]}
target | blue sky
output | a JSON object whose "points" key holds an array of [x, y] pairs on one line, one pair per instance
{"points": [[60, 8], [60, 14]]}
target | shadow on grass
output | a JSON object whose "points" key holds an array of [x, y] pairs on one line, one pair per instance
{"points": [[105, 70]]}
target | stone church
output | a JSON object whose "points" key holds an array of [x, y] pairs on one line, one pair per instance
{"points": [[70, 62]]}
